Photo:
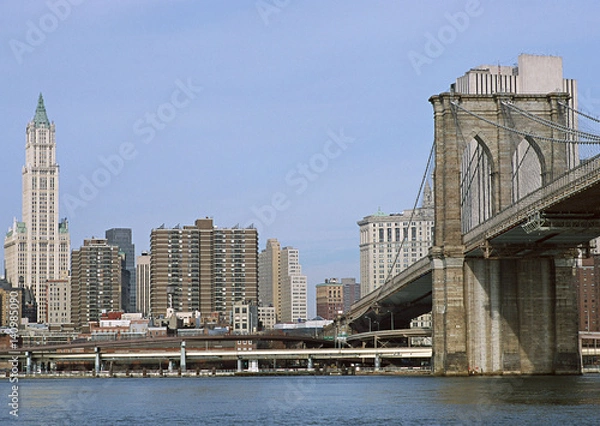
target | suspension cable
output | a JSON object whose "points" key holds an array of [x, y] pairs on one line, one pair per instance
{"points": [[552, 124], [583, 114], [522, 133]]}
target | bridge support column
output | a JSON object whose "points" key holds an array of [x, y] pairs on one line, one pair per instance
{"points": [[28, 364], [449, 319], [182, 357], [377, 362], [309, 364], [239, 365], [98, 360]]}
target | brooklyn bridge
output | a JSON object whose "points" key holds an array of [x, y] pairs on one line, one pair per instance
{"points": [[516, 186]]}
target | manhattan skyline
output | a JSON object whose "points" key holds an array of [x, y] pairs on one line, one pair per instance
{"points": [[299, 117]]}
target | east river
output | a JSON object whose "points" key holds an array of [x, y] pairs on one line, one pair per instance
{"points": [[309, 400]]}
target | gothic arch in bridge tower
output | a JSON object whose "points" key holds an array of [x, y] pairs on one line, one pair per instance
{"points": [[528, 168], [477, 184]]}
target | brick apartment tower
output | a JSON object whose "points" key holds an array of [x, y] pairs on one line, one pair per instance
{"points": [[202, 268], [95, 281]]}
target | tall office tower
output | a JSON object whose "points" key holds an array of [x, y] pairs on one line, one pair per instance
{"points": [[391, 243], [269, 290], [121, 237], [95, 281], [351, 292], [143, 283], [38, 249], [330, 299], [293, 286], [202, 268], [125, 281]]}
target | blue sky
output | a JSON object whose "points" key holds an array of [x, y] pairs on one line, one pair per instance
{"points": [[299, 116]]}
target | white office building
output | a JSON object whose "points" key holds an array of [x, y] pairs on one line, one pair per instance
{"points": [[390, 243]]}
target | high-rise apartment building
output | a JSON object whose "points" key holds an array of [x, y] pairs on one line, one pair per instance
{"points": [[202, 268], [143, 283], [390, 243], [269, 280], [95, 281], [281, 283], [330, 299], [293, 286], [121, 237], [38, 249]]}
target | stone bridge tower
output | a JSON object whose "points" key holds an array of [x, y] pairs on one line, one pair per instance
{"points": [[499, 309]]}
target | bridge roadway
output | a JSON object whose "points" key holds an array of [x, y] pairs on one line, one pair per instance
{"points": [[561, 215]]}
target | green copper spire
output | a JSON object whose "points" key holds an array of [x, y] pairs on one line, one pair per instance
{"points": [[40, 113]]}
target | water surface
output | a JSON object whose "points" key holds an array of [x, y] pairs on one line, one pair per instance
{"points": [[313, 400]]}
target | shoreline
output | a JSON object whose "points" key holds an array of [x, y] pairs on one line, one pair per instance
{"points": [[153, 374], [211, 374]]}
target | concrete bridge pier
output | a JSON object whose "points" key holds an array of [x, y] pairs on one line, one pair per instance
{"points": [[98, 360], [28, 362], [239, 365], [182, 357], [377, 362], [309, 364]]}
